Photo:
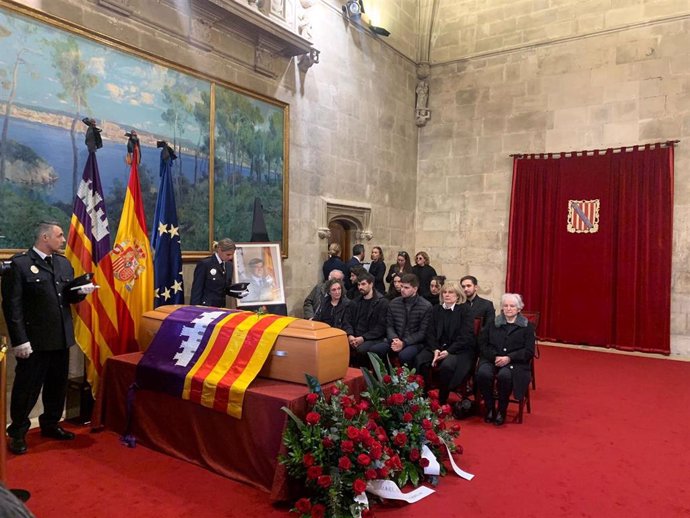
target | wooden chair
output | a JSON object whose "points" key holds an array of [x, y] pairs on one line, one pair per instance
{"points": [[533, 317]]}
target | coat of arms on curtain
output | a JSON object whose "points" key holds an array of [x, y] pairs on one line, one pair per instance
{"points": [[583, 216]]}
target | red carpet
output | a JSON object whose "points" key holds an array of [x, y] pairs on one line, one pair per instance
{"points": [[607, 437]]}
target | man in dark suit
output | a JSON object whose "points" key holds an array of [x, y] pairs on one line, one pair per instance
{"points": [[356, 260], [478, 306], [212, 275], [36, 294]]}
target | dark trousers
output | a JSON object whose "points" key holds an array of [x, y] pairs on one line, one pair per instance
{"points": [[504, 383], [359, 356], [43, 369], [406, 356], [452, 371]]}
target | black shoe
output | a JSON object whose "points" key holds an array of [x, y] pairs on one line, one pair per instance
{"points": [[489, 417], [57, 433], [500, 419], [17, 445]]}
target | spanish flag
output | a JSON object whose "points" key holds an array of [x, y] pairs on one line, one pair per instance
{"points": [[131, 264]]}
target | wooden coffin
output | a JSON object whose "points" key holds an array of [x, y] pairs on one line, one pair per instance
{"points": [[303, 347]]}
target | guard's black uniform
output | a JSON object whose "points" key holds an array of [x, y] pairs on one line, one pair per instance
{"points": [[211, 277], [35, 301]]}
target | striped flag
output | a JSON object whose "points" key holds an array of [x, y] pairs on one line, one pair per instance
{"points": [[131, 264], [88, 244], [165, 240], [209, 355]]}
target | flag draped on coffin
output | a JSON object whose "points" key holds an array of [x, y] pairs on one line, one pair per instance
{"points": [[88, 244], [131, 263], [165, 241], [209, 355]]}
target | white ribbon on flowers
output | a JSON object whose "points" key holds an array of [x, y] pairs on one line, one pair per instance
{"points": [[389, 490], [434, 468], [356, 510], [460, 472]]}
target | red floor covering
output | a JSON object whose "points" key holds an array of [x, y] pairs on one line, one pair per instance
{"points": [[608, 437]]}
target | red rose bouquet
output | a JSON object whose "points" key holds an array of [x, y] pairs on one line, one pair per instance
{"points": [[336, 449], [408, 418]]}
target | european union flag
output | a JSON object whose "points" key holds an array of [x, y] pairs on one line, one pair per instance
{"points": [[165, 239]]}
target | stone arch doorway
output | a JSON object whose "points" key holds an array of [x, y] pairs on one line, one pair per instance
{"points": [[341, 233], [345, 223]]}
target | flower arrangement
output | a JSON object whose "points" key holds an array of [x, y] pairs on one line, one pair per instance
{"points": [[411, 419], [336, 450], [343, 442]]}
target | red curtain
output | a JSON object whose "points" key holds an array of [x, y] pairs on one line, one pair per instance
{"points": [[608, 288]]}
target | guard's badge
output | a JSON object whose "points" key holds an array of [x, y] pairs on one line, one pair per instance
{"points": [[213, 271], [583, 216], [129, 262], [34, 268]]}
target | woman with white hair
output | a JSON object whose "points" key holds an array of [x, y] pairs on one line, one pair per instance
{"points": [[507, 347]]}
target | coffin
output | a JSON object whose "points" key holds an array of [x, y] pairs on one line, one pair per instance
{"points": [[303, 347]]}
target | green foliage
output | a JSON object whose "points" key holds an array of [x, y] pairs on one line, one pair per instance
{"points": [[22, 209], [18, 151]]}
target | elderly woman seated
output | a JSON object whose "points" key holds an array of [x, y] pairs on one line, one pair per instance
{"points": [[450, 343], [506, 348]]}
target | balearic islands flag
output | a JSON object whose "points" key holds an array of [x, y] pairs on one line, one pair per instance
{"points": [[131, 263], [88, 244], [165, 239], [209, 355]]}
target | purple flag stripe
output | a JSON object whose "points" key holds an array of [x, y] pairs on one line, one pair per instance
{"points": [[180, 340]]}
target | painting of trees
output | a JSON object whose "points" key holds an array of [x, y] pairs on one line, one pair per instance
{"points": [[9, 81], [71, 72], [51, 78]]}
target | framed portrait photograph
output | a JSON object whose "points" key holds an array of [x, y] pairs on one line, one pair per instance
{"points": [[259, 265]]}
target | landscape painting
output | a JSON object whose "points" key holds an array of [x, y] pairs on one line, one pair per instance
{"points": [[51, 79]]}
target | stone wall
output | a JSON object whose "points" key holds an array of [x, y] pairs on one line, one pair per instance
{"points": [[467, 28], [615, 88]]}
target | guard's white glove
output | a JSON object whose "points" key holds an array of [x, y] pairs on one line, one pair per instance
{"points": [[22, 351], [87, 289]]}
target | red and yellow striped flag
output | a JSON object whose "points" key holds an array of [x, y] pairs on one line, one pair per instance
{"points": [[131, 264], [235, 353], [88, 244]]}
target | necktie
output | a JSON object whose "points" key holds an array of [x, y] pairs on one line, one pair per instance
{"points": [[49, 261]]}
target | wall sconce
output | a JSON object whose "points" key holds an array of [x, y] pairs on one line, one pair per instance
{"points": [[353, 9]]}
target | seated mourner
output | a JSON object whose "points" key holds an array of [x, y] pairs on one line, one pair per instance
{"points": [[406, 323], [367, 320], [334, 309], [450, 342], [506, 347], [317, 295]]}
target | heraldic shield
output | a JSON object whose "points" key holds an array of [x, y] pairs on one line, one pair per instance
{"points": [[583, 216]]}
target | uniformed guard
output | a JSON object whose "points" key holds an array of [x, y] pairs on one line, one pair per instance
{"points": [[36, 294], [213, 275]]}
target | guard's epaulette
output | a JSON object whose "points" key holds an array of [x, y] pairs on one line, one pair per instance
{"points": [[20, 254]]}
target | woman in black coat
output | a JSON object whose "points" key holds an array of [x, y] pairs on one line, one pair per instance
{"points": [[507, 348], [450, 342], [378, 269], [334, 310], [424, 272], [334, 262], [402, 265]]}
